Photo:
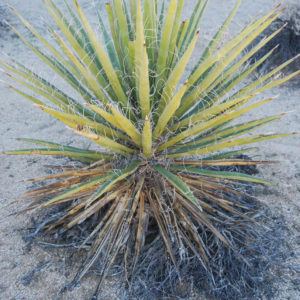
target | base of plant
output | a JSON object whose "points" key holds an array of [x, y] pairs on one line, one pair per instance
{"points": [[241, 272]]}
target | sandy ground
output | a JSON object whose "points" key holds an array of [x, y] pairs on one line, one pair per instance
{"points": [[18, 118]]}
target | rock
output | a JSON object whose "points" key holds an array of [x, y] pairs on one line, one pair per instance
{"points": [[288, 39]]}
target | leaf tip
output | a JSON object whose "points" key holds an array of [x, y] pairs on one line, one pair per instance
{"points": [[277, 6], [287, 112], [39, 106], [253, 94], [57, 35], [6, 83], [297, 56], [5, 72], [282, 10], [11, 8], [275, 48], [275, 97], [8, 24], [79, 127]]}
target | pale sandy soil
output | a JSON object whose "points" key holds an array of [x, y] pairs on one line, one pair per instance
{"points": [[18, 118]]}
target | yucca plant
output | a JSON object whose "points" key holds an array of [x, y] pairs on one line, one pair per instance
{"points": [[164, 145]]}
